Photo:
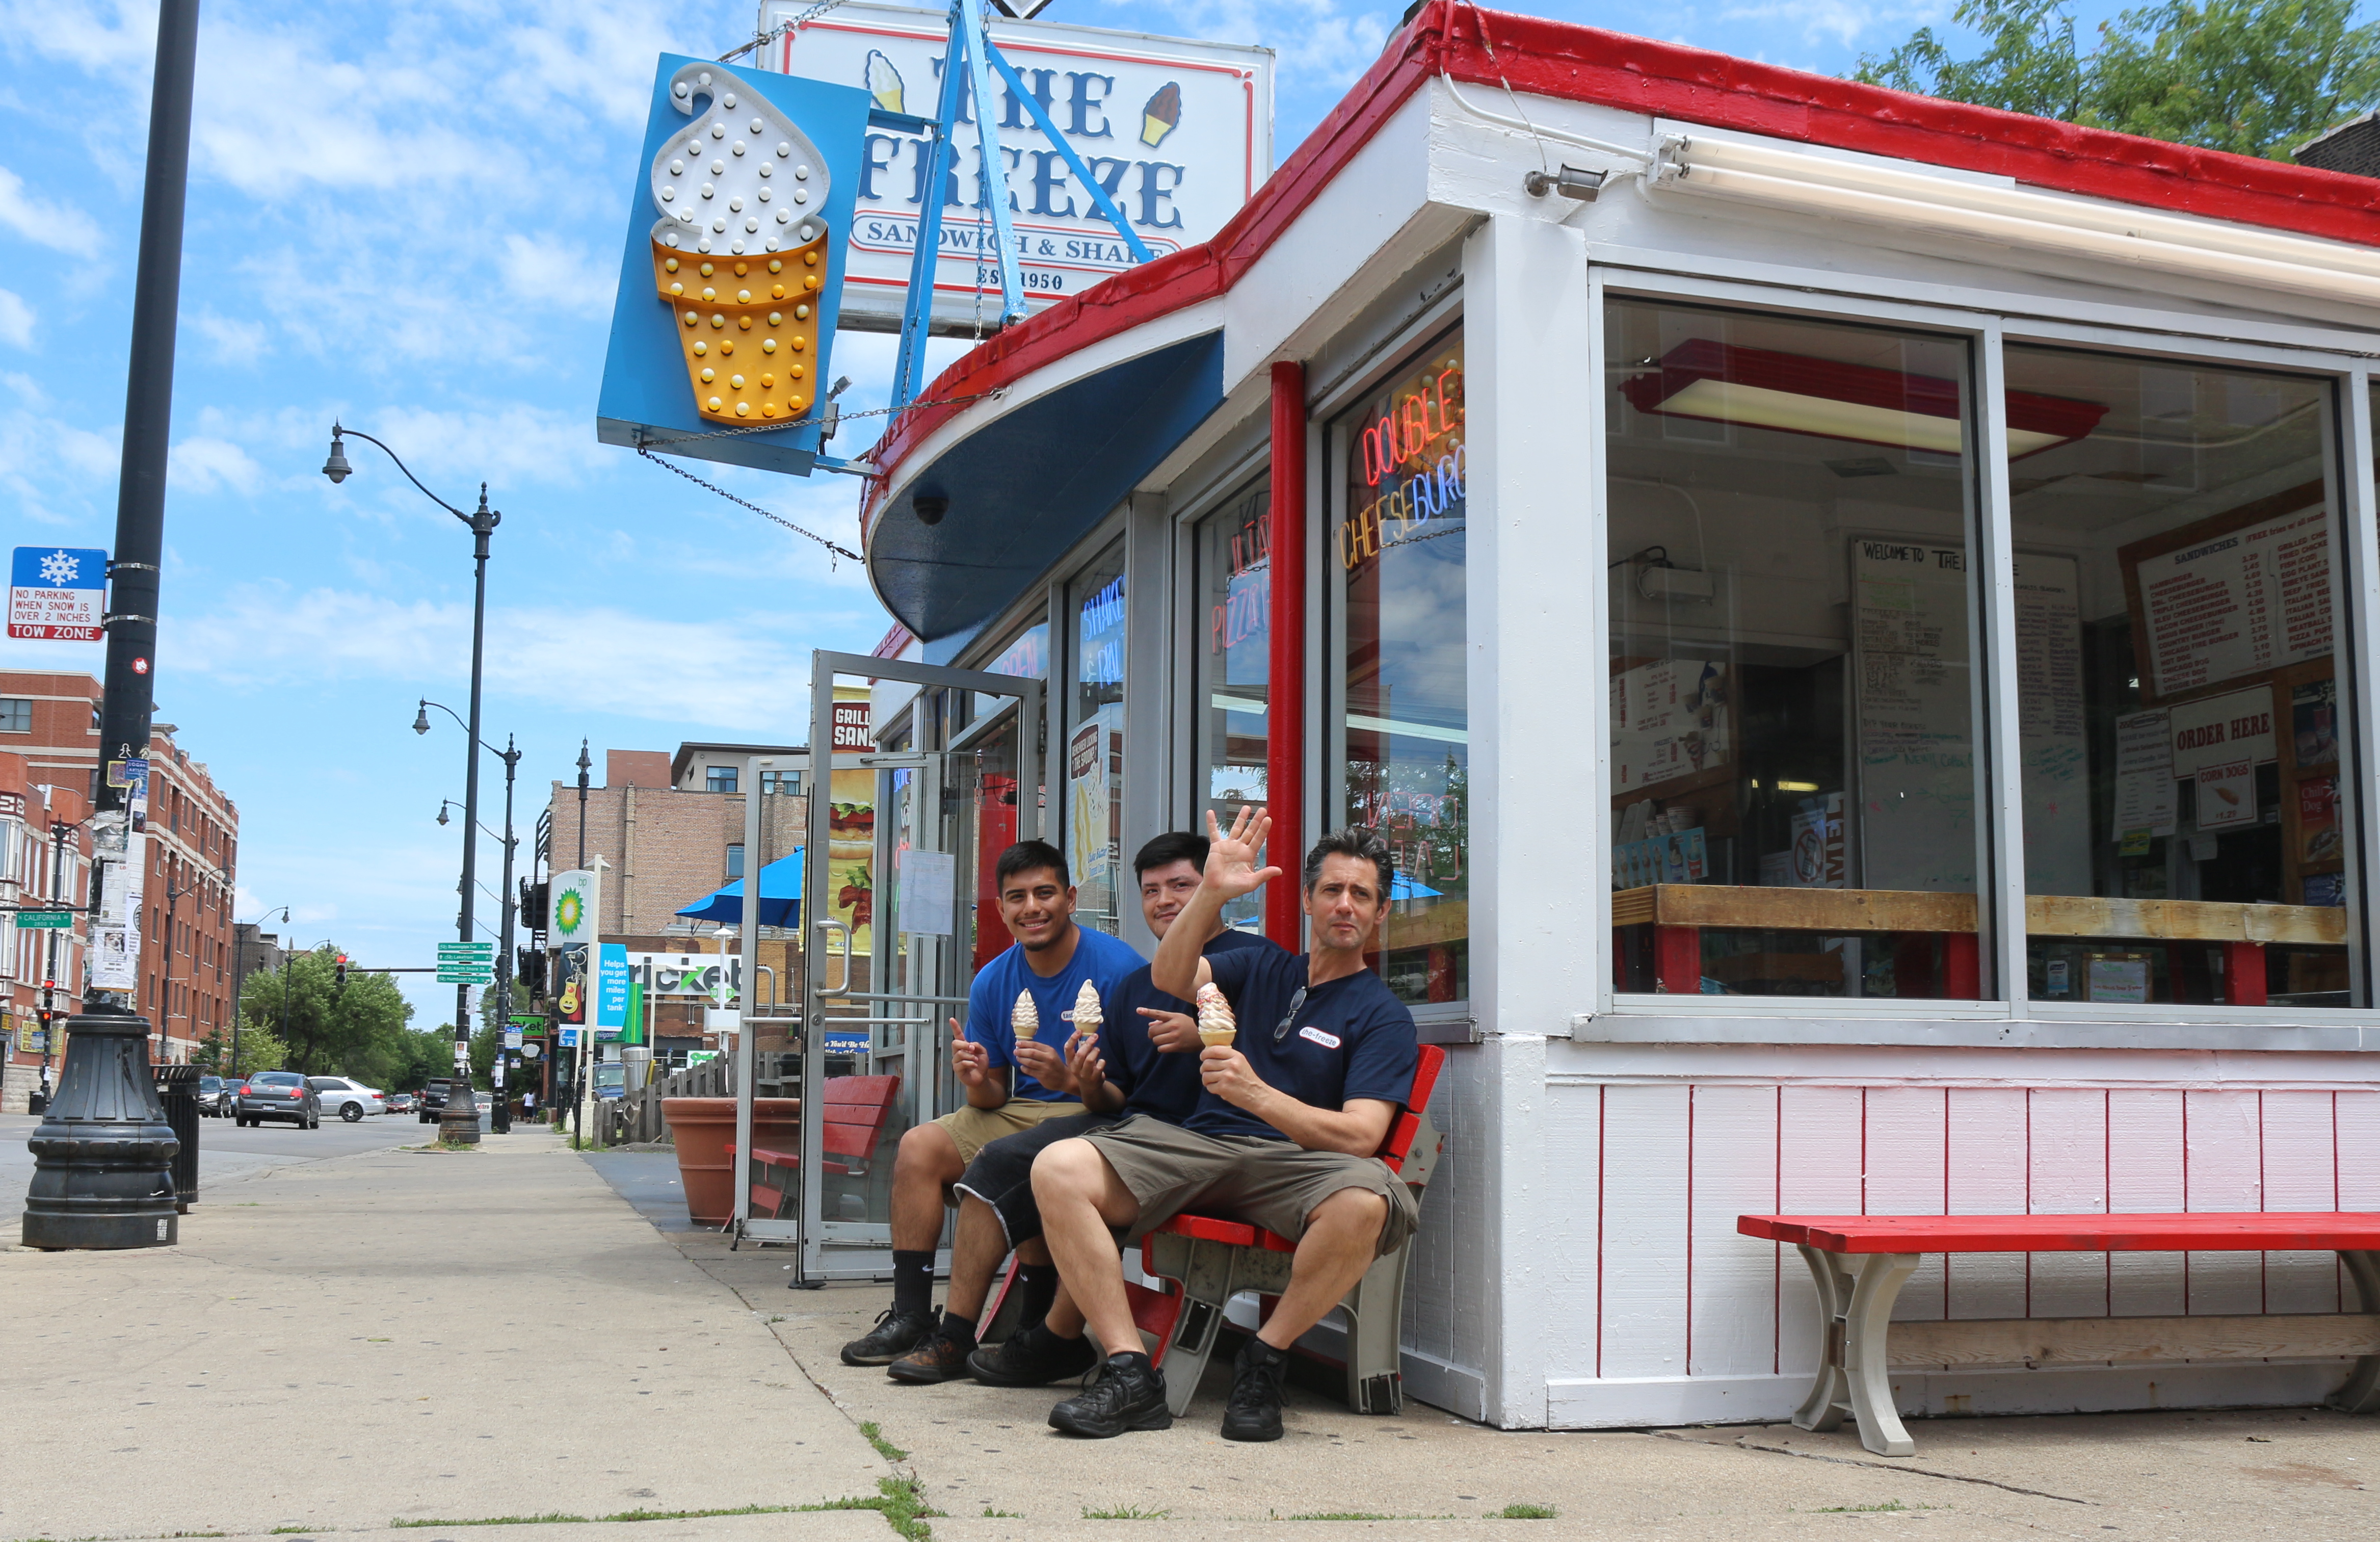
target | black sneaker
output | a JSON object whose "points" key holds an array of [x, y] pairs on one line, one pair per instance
{"points": [[1129, 1393], [895, 1334], [1254, 1411], [1034, 1357], [940, 1355]]}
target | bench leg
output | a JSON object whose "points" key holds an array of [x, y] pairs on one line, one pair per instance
{"points": [[1375, 1311], [1204, 1272], [1853, 1364], [2362, 1394]]}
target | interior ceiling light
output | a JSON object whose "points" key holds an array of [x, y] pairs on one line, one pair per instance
{"points": [[1796, 394], [1926, 200]]}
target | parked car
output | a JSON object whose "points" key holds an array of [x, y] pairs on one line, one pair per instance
{"points": [[213, 1097], [433, 1099], [399, 1102], [278, 1094], [347, 1097]]}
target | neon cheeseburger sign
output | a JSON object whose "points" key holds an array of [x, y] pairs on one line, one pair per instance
{"points": [[1407, 463]]}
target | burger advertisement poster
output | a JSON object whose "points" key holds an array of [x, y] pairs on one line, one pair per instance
{"points": [[1178, 134]]}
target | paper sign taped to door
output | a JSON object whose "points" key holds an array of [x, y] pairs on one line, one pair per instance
{"points": [[927, 890]]}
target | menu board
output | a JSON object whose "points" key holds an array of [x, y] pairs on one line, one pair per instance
{"points": [[2050, 736], [2240, 595], [1670, 720]]}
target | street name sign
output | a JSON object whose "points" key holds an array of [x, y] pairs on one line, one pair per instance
{"points": [[467, 950], [464, 974], [58, 592], [45, 920]]}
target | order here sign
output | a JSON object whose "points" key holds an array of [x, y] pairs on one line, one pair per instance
{"points": [[57, 592], [1178, 132]]}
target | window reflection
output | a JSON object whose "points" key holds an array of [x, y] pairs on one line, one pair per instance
{"points": [[1233, 661], [1095, 610]]}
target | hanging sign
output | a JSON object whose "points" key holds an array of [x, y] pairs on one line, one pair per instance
{"points": [[570, 921], [731, 272], [1179, 134], [58, 592]]}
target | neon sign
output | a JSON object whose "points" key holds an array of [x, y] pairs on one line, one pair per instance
{"points": [[1414, 464], [1246, 609]]}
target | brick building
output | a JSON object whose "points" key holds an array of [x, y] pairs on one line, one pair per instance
{"points": [[44, 854], [667, 836], [50, 723]]}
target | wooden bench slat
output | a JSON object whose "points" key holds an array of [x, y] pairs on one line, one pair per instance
{"points": [[2103, 1340], [1899, 910], [2206, 1232]]}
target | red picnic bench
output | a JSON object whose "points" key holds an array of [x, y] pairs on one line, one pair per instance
{"points": [[857, 1107], [1861, 1262], [1202, 1261]]}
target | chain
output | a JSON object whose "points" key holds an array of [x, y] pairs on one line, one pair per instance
{"points": [[764, 40], [665, 441], [833, 548]]}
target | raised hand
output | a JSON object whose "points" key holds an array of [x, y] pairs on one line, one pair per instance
{"points": [[970, 1063], [1232, 858], [1173, 1032]]}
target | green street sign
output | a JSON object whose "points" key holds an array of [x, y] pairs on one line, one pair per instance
{"points": [[467, 950], [45, 920], [464, 974]]}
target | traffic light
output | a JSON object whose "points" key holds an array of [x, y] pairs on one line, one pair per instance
{"points": [[340, 974]]}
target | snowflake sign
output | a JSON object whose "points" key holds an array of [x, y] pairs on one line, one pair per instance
{"points": [[58, 592]]}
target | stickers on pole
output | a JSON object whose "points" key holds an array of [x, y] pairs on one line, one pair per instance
{"points": [[730, 274], [58, 592]]}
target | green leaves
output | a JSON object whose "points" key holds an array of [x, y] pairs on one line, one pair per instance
{"points": [[322, 1029], [2251, 77]]}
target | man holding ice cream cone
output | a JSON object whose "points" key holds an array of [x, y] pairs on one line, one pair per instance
{"points": [[1308, 1061]]}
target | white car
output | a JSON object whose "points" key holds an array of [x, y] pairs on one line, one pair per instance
{"points": [[347, 1098]]}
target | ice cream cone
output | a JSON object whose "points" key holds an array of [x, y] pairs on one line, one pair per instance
{"points": [[1159, 116], [1086, 1009], [741, 253], [1216, 1024], [1025, 1018]]}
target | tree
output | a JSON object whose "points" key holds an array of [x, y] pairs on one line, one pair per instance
{"points": [[326, 1028], [2251, 77], [259, 1049]]}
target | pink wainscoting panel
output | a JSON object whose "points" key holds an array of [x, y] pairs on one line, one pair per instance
{"points": [[1644, 1237], [2068, 1152], [2226, 1173], [1906, 1126], [1734, 1171], [2301, 1162], [1985, 1172], [2144, 1173], [1819, 1154]]}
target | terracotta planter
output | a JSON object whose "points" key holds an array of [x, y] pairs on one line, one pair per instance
{"points": [[703, 1128]]}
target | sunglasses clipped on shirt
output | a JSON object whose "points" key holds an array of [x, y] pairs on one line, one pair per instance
{"points": [[1280, 1030]]}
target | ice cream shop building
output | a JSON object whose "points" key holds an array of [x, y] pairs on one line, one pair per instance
{"points": [[1898, 738]]}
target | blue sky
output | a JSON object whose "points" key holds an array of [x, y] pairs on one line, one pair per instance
{"points": [[408, 215]]}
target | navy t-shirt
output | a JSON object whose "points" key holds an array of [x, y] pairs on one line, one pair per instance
{"points": [[1352, 1038], [1098, 958], [1153, 1082]]}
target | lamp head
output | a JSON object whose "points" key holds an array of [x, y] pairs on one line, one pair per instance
{"points": [[336, 467], [442, 813], [421, 719]]}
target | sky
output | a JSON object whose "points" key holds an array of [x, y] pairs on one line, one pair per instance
{"points": [[406, 215]]}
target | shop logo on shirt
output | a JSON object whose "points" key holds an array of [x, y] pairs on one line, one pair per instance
{"points": [[1327, 1040]]}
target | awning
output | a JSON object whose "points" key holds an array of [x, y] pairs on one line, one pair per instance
{"points": [[780, 896], [1026, 487]]}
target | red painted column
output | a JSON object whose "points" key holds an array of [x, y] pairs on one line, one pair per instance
{"points": [[1286, 672], [1962, 966], [1678, 960], [2243, 974]]}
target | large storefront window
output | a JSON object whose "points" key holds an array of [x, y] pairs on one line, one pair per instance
{"points": [[1397, 554], [1095, 611], [2186, 801], [1233, 651], [1004, 771], [1793, 705]]}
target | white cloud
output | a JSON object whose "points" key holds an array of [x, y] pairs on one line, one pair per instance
{"points": [[16, 319], [202, 464], [235, 341], [556, 274], [60, 225]]}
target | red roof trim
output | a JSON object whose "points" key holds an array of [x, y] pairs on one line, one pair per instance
{"points": [[1586, 63]]}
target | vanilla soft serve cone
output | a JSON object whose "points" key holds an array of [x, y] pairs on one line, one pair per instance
{"points": [[1024, 1017], [1086, 1009], [1216, 1024], [740, 250]]}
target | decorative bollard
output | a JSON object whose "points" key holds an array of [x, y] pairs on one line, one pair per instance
{"points": [[104, 1154]]}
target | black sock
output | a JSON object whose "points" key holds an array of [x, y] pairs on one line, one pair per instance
{"points": [[1039, 1284], [958, 1328], [913, 1283], [1123, 1359]]}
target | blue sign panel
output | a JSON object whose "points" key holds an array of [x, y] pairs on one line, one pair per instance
{"points": [[731, 271], [57, 592], [612, 985], [845, 1043]]}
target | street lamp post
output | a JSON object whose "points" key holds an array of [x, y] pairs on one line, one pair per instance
{"points": [[511, 755], [578, 1057], [239, 981], [460, 1120]]}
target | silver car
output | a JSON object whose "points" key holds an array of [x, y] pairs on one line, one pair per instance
{"points": [[347, 1097]]}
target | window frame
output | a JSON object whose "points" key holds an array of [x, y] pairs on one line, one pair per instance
{"points": [[2001, 897], [8, 711]]}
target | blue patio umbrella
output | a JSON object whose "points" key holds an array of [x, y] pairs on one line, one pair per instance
{"points": [[1400, 888], [780, 896]]}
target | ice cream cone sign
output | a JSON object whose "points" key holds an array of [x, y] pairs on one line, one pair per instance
{"points": [[884, 82], [1161, 116], [740, 250]]}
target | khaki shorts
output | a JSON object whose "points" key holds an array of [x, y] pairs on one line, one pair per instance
{"points": [[1274, 1184], [971, 1128]]}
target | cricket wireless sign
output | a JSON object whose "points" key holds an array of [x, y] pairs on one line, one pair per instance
{"points": [[1178, 133]]}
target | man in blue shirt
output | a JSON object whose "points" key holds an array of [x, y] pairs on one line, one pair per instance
{"points": [[1048, 965], [1284, 1134], [1143, 1059]]}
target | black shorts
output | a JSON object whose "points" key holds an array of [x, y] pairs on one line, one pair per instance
{"points": [[1001, 1174]]}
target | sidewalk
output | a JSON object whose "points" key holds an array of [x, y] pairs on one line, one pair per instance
{"points": [[400, 1344]]}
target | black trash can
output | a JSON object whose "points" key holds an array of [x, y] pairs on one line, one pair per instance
{"points": [[178, 1090]]}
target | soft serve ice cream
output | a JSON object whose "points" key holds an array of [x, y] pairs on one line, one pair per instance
{"points": [[1024, 1017], [740, 250], [1087, 1013], [1216, 1024]]}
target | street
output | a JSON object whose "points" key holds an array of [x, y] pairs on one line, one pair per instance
{"points": [[226, 1152], [395, 1337]]}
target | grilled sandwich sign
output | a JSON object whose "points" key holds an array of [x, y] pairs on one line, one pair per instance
{"points": [[1178, 133]]}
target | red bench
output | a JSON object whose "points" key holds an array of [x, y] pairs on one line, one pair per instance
{"points": [[857, 1108], [1861, 1262]]}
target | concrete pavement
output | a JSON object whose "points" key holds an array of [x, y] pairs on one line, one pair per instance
{"points": [[226, 1151], [416, 1343]]}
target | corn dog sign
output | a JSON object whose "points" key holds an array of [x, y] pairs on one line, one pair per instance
{"points": [[1177, 132], [730, 274]]}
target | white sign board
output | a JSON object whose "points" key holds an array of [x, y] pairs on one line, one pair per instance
{"points": [[570, 917], [2219, 731], [2242, 603], [1178, 133], [58, 592]]}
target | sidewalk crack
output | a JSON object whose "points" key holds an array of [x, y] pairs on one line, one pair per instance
{"points": [[1741, 1443]]}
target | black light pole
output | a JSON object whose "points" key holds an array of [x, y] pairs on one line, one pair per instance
{"points": [[104, 1154], [460, 1119], [586, 1029], [511, 755]]}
